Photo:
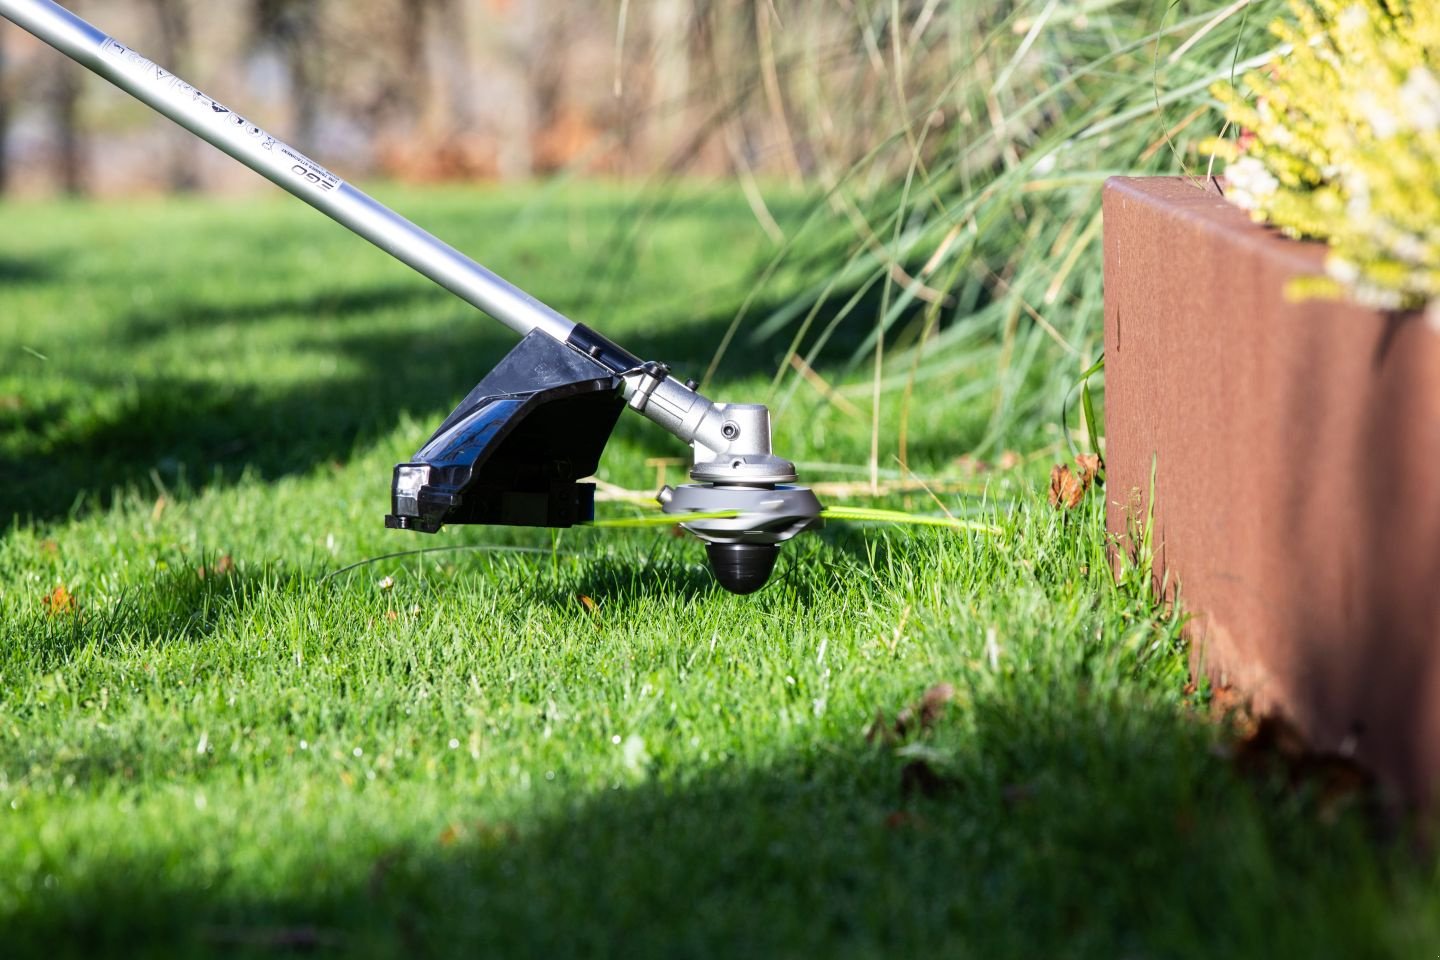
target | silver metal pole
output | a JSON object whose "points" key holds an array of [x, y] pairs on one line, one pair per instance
{"points": [[283, 165]]}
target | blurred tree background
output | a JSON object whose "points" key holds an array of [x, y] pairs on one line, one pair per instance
{"points": [[426, 90], [423, 89]]}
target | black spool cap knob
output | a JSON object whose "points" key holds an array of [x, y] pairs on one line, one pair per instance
{"points": [[742, 567]]}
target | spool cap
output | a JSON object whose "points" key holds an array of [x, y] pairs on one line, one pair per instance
{"points": [[742, 567]]}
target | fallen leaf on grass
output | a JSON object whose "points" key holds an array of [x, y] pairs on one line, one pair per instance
{"points": [[1090, 465], [59, 601], [220, 568], [1276, 750], [918, 777], [924, 713], [589, 605], [879, 729], [1274, 744], [391, 615], [1066, 488], [1228, 706]]}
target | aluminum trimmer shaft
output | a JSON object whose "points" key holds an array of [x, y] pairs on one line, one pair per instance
{"points": [[517, 448]]}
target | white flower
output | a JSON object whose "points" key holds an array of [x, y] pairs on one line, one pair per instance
{"points": [[1408, 247], [1420, 100], [1249, 183], [1278, 134], [1357, 206], [1382, 122], [1342, 270], [1379, 298], [1352, 18]]}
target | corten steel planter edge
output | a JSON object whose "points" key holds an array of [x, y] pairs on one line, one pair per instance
{"points": [[1296, 454]]}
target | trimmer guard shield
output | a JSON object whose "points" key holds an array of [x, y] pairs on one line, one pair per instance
{"points": [[513, 449]]}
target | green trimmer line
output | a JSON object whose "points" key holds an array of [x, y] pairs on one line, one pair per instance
{"points": [[515, 449]]}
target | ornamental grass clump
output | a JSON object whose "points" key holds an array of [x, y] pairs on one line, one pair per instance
{"points": [[1340, 142]]}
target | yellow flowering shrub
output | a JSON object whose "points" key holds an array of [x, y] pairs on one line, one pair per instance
{"points": [[1341, 142]]}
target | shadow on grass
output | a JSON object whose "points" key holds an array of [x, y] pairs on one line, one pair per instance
{"points": [[16, 272], [179, 606], [180, 423], [1054, 827]]}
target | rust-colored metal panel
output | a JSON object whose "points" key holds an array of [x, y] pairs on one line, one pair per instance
{"points": [[1296, 453]]}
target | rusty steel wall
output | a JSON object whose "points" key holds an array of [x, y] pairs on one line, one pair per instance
{"points": [[1296, 457]]}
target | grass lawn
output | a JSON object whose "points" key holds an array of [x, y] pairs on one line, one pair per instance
{"points": [[570, 744]]}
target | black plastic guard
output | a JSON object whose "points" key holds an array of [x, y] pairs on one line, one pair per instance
{"points": [[513, 449]]}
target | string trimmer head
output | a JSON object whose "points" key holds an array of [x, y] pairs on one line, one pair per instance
{"points": [[516, 449]]}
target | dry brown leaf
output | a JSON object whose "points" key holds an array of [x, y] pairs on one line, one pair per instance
{"points": [[1229, 706], [1276, 748], [59, 601], [1089, 464], [933, 703], [589, 604], [221, 568], [918, 777], [924, 713], [391, 615], [879, 729], [1340, 780], [1066, 488]]}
